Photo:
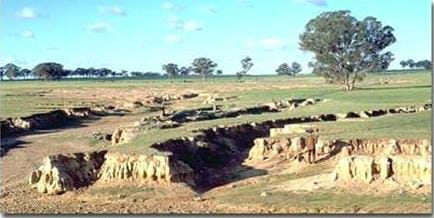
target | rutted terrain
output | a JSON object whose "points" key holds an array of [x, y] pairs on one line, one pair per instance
{"points": [[208, 160], [213, 159]]}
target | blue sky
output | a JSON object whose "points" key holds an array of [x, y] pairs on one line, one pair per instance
{"points": [[143, 35]]}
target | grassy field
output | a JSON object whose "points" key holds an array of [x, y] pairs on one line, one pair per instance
{"points": [[19, 98], [22, 98]]}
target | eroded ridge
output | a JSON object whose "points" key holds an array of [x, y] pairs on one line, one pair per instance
{"points": [[52, 119], [363, 160], [208, 159], [402, 169], [124, 135], [65, 172], [145, 167]]}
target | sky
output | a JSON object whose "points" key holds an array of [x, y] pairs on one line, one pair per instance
{"points": [[137, 35]]}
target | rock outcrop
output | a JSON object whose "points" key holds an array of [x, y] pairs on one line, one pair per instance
{"points": [[412, 169], [265, 148], [60, 173], [359, 168], [403, 169], [287, 146], [293, 129], [160, 168], [211, 99], [290, 104], [124, 135], [390, 147], [66, 172], [152, 99]]}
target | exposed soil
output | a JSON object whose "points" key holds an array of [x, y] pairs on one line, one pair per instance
{"points": [[217, 157]]}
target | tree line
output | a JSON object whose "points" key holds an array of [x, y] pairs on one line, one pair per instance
{"points": [[410, 63], [56, 71], [203, 67]]}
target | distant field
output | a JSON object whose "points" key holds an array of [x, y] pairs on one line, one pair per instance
{"points": [[22, 98]]}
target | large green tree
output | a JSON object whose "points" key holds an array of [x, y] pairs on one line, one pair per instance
{"points": [[49, 71], [425, 64], [11, 71], [403, 63], [346, 49], [203, 66], [171, 70], [284, 69], [295, 68], [246, 64]]}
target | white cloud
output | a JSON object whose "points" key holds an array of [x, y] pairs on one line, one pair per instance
{"points": [[208, 9], [173, 39], [175, 22], [27, 13], [98, 27], [272, 43], [191, 26], [171, 6], [266, 43], [113, 10], [53, 48], [320, 3], [27, 34], [245, 3]]}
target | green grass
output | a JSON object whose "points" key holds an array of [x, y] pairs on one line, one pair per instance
{"points": [[396, 126], [402, 126], [20, 98], [331, 201]]}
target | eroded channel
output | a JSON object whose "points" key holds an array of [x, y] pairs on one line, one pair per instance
{"points": [[208, 159]]}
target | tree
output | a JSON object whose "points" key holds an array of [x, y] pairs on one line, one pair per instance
{"points": [[67, 73], [171, 70], [411, 63], [425, 64], [11, 71], [296, 68], [2, 72], [103, 72], [80, 72], [49, 71], [184, 71], [203, 66], [246, 64], [219, 72], [239, 75], [403, 64], [136, 74], [345, 48], [124, 73], [25, 73], [284, 69]]}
